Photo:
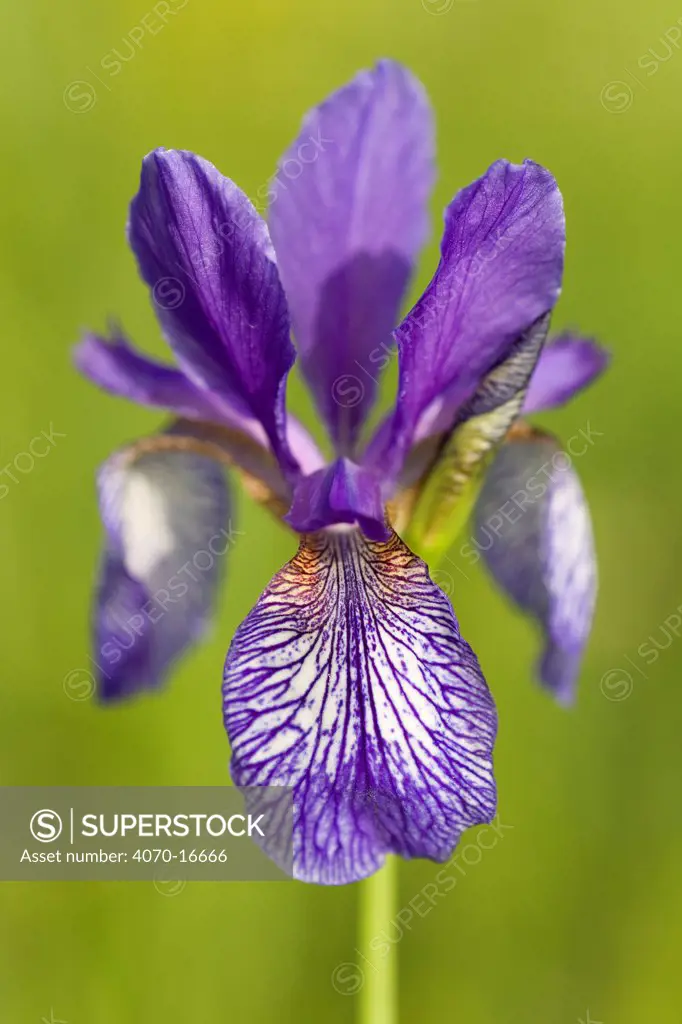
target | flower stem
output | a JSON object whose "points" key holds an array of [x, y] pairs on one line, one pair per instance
{"points": [[378, 997]]}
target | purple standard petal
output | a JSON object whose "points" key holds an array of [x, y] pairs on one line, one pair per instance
{"points": [[168, 532], [114, 365], [500, 271], [566, 366], [534, 531], [340, 493], [348, 216], [349, 681], [206, 255]]}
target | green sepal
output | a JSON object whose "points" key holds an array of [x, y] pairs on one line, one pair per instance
{"points": [[451, 485]]}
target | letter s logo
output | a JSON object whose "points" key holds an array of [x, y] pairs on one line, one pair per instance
{"points": [[46, 826]]}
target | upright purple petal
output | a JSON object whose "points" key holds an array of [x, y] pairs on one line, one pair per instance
{"points": [[348, 215], [500, 271], [349, 681], [532, 526], [565, 367], [340, 493], [206, 255], [168, 531]]}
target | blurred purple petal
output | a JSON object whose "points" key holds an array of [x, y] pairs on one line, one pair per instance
{"points": [[500, 271], [340, 493], [565, 367], [533, 527], [116, 366], [348, 216], [349, 681], [206, 255], [168, 531], [113, 364]]}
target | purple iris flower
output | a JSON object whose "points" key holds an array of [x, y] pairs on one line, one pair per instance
{"points": [[349, 681]]}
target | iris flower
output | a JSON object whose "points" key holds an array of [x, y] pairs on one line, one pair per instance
{"points": [[349, 681]]}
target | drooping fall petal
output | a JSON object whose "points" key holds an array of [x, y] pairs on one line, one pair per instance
{"points": [[166, 515], [350, 682], [534, 531]]}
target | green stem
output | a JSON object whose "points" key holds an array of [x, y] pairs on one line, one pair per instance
{"points": [[378, 997]]}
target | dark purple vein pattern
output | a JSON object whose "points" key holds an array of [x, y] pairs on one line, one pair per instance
{"points": [[350, 682]]}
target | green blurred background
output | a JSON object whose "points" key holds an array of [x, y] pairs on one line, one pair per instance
{"points": [[578, 909]]}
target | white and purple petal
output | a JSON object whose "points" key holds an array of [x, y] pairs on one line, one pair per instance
{"points": [[500, 271], [166, 515], [348, 216], [566, 366], [206, 255], [533, 528], [350, 682]]}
